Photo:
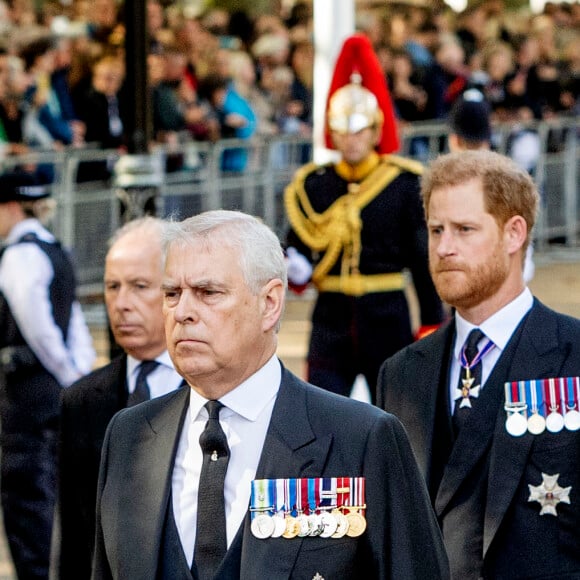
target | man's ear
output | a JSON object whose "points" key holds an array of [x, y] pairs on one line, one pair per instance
{"points": [[273, 298], [515, 233]]}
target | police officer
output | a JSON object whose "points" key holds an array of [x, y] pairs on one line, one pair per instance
{"points": [[45, 345], [470, 129], [359, 223]]}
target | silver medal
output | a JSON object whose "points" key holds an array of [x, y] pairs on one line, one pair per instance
{"points": [[536, 424], [329, 524], [572, 420], [279, 525], [516, 425], [554, 422], [262, 526], [316, 527], [304, 524]]}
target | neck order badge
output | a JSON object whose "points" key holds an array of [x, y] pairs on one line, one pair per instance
{"points": [[470, 379]]}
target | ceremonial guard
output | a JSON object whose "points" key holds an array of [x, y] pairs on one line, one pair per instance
{"points": [[44, 345], [356, 225]]}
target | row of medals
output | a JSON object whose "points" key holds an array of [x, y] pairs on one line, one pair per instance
{"points": [[326, 524], [517, 424]]}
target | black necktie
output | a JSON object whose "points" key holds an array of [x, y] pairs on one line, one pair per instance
{"points": [[469, 380], [141, 392], [210, 538]]}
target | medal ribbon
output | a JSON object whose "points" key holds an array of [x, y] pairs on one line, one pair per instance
{"points": [[279, 496], [272, 495], [515, 393], [342, 491], [515, 400], [313, 494], [552, 395], [253, 493], [349, 497], [359, 493], [508, 394], [290, 495], [260, 500], [480, 354], [562, 392], [327, 486], [305, 484], [571, 393], [298, 492], [356, 498], [536, 395], [302, 495]]}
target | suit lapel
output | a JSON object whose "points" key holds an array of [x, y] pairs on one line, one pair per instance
{"points": [[538, 355], [291, 449], [155, 458], [427, 358]]}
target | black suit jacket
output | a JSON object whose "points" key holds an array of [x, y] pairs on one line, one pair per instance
{"points": [[517, 542], [86, 409], [312, 433]]}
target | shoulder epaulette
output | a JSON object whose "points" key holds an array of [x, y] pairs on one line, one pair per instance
{"points": [[409, 165]]}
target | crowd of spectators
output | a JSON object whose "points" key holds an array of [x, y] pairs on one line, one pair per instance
{"points": [[216, 74]]}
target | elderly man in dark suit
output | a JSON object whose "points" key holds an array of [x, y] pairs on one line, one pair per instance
{"points": [[133, 296], [252, 473], [491, 400]]}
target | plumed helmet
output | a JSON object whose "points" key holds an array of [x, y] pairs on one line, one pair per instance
{"points": [[353, 108], [359, 97]]}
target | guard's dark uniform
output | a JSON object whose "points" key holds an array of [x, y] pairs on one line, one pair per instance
{"points": [[360, 229], [29, 413]]}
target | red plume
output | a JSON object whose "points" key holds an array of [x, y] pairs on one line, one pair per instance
{"points": [[357, 56]]}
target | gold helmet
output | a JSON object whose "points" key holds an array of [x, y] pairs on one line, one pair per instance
{"points": [[359, 97], [353, 108]]}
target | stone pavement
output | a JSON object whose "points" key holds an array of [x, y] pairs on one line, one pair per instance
{"points": [[556, 283]]}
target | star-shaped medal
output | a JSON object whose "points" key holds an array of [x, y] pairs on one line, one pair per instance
{"points": [[466, 391], [549, 494]]}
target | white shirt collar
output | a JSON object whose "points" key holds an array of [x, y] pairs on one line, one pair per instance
{"points": [[249, 398], [500, 326], [133, 363], [29, 226]]}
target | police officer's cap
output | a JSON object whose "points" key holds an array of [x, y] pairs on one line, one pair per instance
{"points": [[470, 116], [21, 186]]}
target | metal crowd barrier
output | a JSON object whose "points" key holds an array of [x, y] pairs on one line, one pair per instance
{"points": [[251, 176]]}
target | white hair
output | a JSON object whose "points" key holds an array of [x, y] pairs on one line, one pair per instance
{"points": [[259, 249]]}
